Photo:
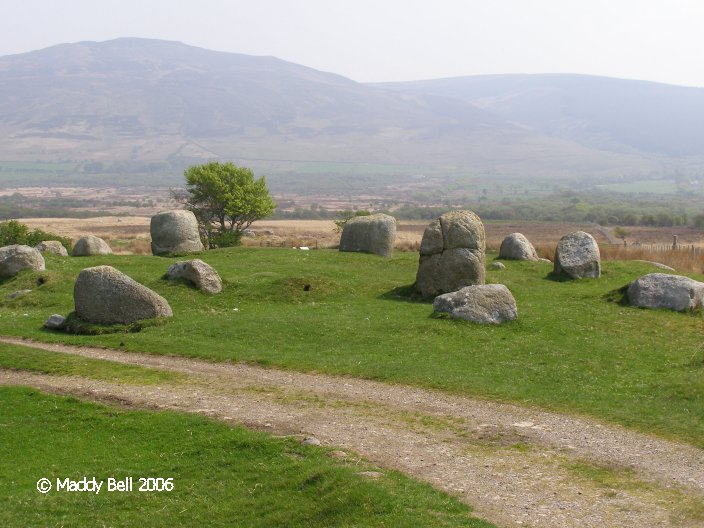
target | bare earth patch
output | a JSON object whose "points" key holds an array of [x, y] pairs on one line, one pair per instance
{"points": [[518, 466]]}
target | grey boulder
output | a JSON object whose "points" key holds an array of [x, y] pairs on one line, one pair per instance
{"points": [[200, 274], [483, 303], [661, 290], [371, 234], [52, 246], [55, 322], [517, 247], [104, 295], [577, 256], [452, 254], [17, 257], [175, 232], [498, 265], [90, 245]]}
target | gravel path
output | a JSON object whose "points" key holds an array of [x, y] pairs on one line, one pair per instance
{"points": [[517, 466]]}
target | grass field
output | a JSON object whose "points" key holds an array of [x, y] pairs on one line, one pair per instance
{"points": [[221, 476], [575, 346]]}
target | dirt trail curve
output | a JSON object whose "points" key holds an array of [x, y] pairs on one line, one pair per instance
{"points": [[516, 465]]}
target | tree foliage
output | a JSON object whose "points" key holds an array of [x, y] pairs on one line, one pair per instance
{"points": [[13, 232], [226, 199]]}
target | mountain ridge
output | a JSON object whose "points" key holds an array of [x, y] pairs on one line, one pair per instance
{"points": [[148, 99]]}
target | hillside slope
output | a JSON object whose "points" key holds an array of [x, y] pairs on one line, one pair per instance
{"points": [[150, 100]]}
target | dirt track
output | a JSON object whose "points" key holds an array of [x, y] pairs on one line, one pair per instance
{"points": [[516, 465]]}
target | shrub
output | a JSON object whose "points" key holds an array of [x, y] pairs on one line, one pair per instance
{"points": [[13, 232]]}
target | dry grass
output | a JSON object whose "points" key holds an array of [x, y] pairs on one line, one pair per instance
{"points": [[682, 260]]}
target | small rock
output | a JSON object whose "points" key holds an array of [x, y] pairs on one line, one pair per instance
{"points": [[498, 265], [485, 303], [52, 246], [17, 257], [516, 246], [18, 293], [310, 441], [523, 424], [55, 322], [91, 245], [104, 295], [338, 454], [657, 264], [200, 274], [660, 290], [249, 233], [577, 256]]}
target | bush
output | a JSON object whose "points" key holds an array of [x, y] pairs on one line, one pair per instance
{"points": [[225, 239], [13, 232]]}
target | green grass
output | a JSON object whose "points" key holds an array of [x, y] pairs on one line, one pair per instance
{"points": [[573, 347], [222, 476], [18, 357]]}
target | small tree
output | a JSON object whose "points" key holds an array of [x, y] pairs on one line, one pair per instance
{"points": [[622, 233], [226, 199]]}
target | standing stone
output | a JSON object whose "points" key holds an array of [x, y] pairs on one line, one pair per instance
{"points": [[104, 295], [52, 246], [452, 254], [91, 245], [372, 234], [16, 258], [175, 232], [517, 247], [660, 290], [577, 256], [483, 303], [202, 275]]}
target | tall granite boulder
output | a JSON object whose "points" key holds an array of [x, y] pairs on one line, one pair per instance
{"points": [[90, 245], [17, 257], [104, 295], [483, 303], [52, 246], [175, 232], [201, 275], [577, 256], [452, 254], [517, 247], [661, 290], [372, 234]]}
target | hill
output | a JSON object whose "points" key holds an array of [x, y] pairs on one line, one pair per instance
{"points": [[611, 114], [140, 101]]}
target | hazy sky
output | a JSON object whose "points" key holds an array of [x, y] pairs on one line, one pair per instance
{"points": [[386, 40]]}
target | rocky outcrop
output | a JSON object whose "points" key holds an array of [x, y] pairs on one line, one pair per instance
{"points": [[485, 303], [175, 232], [52, 246], [104, 295], [371, 234], [577, 256], [90, 245], [660, 290], [16, 258], [197, 272], [517, 247], [452, 254]]}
